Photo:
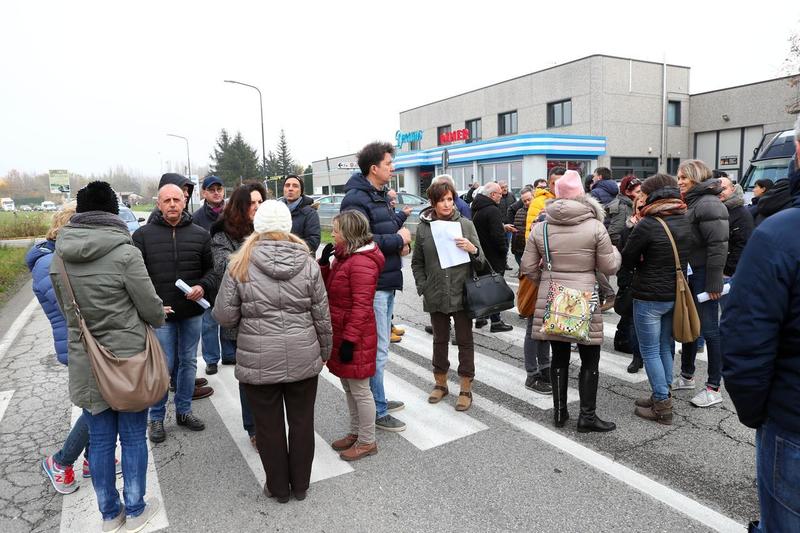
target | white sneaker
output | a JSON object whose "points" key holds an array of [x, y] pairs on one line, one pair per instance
{"points": [[682, 383], [706, 398]]}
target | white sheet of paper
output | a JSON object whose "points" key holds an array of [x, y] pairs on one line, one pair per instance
{"points": [[445, 234]]}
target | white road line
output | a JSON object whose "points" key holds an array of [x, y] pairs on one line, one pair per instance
{"points": [[79, 512], [427, 425], [16, 327], [226, 401], [497, 374], [610, 363], [5, 398], [678, 501]]}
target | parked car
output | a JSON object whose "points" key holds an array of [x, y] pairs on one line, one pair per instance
{"points": [[770, 160], [129, 218], [330, 204], [25, 208]]}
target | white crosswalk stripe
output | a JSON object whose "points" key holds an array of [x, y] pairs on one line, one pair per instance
{"points": [[610, 363], [497, 374], [79, 512], [5, 398], [427, 425], [226, 401]]}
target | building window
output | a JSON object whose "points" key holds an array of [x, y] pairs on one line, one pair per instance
{"points": [[641, 167], [474, 127], [439, 131], [507, 123], [674, 113], [559, 114], [413, 146]]}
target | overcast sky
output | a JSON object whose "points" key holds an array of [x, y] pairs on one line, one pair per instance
{"points": [[91, 85]]}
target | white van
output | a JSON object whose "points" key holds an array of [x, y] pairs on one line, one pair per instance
{"points": [[8, 204], [47, 205]]}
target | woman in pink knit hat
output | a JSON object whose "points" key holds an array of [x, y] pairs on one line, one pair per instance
{"points": [[578, 245]]}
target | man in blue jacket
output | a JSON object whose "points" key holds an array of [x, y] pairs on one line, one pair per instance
{"points": [[366, 191], [761, 356]]}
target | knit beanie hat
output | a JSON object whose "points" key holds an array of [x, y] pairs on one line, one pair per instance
{"points": [[302, 185], [569, 185], [273, 215], [98, 196]]}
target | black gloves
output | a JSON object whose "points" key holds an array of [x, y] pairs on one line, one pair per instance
{"points": [[327, 252], [346, 351]]}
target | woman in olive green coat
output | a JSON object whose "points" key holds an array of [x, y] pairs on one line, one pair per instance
{"points": [[442, 290]]}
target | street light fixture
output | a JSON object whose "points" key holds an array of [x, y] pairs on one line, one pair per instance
{"points": [[261, 108], [188, 160]]}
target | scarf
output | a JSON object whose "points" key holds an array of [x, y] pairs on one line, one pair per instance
{"points": [[663, 207], [293, 205], [97, 218]]}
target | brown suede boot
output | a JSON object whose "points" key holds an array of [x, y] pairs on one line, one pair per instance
{"points": [[440, 389], [465, 396], [661, 412], [644, 402], [359, 450], [345, 442]]}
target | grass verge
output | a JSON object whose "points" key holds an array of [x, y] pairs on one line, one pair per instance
{"points": [[18, 224], [12, 268]]}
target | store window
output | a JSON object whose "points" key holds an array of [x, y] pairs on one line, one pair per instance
{"points": [[439, 131], [508, 171], [474, 127], [507, 123], [673, 113], [581, 166], [559, 114], [641, 167]]}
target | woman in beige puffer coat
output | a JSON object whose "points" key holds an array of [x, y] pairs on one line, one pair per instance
{"points": [[579, 246], [274, 293]]}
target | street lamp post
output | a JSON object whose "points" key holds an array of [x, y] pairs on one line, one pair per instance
{"points": [[261, 108], [188, 160]]}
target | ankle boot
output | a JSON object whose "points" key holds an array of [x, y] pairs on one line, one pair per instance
{"points": [[465, 396], [588, 421], [636, 365], [440, 389], [660, 411], [559, 377]]}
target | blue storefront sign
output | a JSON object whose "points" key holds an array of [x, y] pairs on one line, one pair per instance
{"points": [[403, 137]]}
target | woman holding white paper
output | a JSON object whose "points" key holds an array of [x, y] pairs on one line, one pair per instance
{"points": [[442, 289]]}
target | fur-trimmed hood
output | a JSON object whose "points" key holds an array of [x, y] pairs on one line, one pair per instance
{"points": [[564, 212]]}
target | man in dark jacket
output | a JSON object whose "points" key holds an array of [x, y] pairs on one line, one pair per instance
{"points": [[213, 192], [604, 190], [175, 249], [305, 220], [365, 191], [184, 183], [773, 201], [488, 221], [761, 356], [740, 223]]}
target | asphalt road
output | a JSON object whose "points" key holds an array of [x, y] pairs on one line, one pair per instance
{"points": [[501, 466]]}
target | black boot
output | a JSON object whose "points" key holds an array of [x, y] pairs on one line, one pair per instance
{"points": [[588, 420], [559, 377], [636, 364]]}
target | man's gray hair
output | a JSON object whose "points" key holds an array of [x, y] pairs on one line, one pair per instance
{"points": [[443, 177]]}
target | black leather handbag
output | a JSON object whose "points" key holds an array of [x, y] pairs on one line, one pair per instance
{"points": [[488, 294]]}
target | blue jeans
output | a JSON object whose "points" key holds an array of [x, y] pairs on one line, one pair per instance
{"points": [[653, 323], [103, 430], [179, 339], [778, 471], [709, 329], [77, 441], [383, 304], [537, 353], [211, 345], [247, 415]]}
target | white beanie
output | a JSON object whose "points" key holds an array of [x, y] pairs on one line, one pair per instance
{"points": [[273, 215]]}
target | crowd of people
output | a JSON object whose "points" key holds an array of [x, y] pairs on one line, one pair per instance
{"points": [[255, 295]]}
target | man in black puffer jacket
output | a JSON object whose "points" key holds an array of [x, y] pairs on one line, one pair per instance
{"points": [[488, 221], [305, 220], [173, 248], [184, 183], [740, 223], [366, 192]]}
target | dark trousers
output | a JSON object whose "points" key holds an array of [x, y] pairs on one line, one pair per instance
{"points": [[285, 466], [441, 339], [590, 355]]}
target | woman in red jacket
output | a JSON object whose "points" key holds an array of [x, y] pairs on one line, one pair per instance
{"points": [[351, 278]]}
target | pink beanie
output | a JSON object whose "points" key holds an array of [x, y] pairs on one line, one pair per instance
{"points": [[569, 185]]}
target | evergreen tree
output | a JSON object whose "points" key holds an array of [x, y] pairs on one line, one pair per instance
{"points": [[284, 157], [234, 160], [308, 179]]}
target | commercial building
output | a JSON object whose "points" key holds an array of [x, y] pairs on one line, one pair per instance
{"points": [[635, 117]]}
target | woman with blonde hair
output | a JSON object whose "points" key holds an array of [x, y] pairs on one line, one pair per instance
{"points": [[351, 278], [274, 293]]}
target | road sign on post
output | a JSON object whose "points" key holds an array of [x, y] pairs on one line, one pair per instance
{"points": [[59, 181], [445, 160]]}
